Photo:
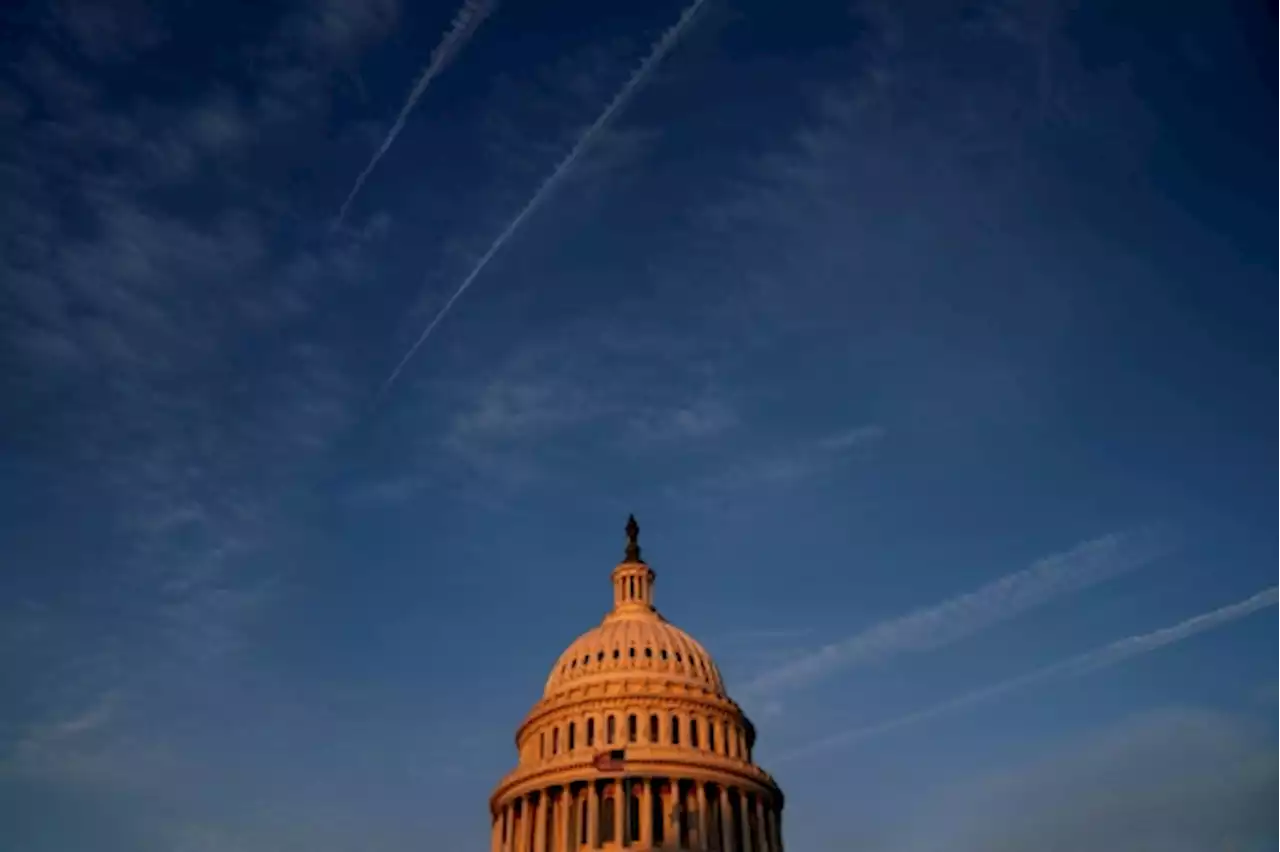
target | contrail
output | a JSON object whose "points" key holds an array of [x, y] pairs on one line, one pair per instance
{"points": [[1090, 661], [660, 50], [1051, 577], [465, 22]]}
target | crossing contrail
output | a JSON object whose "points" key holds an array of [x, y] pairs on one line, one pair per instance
{"points": [[465, 22], [660, 50], [1047, 579], [1090, 661]]}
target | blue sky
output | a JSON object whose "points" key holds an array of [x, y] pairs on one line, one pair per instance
{"points": [[931, 343]]}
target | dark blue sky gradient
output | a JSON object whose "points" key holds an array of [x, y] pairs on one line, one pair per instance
{"points": [[859, 308]]}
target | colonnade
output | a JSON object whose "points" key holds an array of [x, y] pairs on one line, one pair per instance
{"points": [[661, 813]]}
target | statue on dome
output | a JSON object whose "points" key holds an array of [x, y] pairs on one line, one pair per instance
{"points": [[633, 542]]}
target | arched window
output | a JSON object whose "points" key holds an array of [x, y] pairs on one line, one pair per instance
{"points": [[609, 730], [653, 728], [632, 733], [542, 744], [711, 735], [607, 809], [572, 731], [555, 740], [726, 747], [693, 732], [591, 732], [675, 730]]}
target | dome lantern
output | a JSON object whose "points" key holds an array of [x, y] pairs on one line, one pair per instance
{"points": [[632, 579]]}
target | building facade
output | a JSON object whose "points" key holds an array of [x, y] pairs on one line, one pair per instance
{"points": [[635, 744]]}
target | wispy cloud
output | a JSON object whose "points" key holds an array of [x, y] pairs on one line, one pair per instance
{"points": [[123, 317], [702, 417], [1047, 579], [778, 468], [660, 50], [1090, 661], [106, 32], [465, 23]]}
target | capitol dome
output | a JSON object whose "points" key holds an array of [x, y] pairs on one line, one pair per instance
{"points": [[636, 744]]}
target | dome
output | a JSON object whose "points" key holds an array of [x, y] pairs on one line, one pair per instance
{"points": [[635, 745], [644, 644]]}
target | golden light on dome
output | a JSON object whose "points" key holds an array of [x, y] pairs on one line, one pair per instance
{"points": [[635, 744]]}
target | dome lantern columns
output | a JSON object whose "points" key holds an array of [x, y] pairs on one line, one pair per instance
{"points": [[661, 813], [633, 578]]}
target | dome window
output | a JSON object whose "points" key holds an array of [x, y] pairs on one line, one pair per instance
{"points": [[591, 732], [616, 653], [648, 652], [675, 730], [631, 652], [663, 653]]}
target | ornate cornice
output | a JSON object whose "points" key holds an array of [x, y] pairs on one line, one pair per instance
{"points": [[724, 772]]}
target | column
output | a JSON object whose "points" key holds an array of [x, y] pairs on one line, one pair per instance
{"points": [[522, 837], [562, 819], [540, 821], [671, 814], [495, 833], [761, 828], [701, 794], [744, 808], [593, 815], [646, 813], [622, 809], [726, 822], [777, 829]]}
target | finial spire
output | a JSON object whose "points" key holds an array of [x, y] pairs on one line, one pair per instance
{"points": [[633, 543]]}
